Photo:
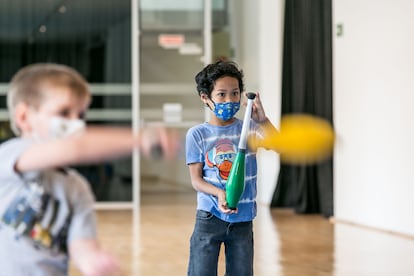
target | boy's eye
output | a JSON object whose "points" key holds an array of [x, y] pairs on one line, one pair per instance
{"points": [[64, 113], [235, 93], [221, 94]]}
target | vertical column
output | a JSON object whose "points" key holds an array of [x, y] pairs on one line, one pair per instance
{"points": [[135, 103], [208, 42]]}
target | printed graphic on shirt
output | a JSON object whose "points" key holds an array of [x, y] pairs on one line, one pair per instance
{"points": [[221, 157], [32, 214]]}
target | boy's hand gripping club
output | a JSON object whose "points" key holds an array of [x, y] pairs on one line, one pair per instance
{"points": [[235, 182]]}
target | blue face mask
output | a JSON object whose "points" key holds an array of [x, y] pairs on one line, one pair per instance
{"points": [[226, 111]]}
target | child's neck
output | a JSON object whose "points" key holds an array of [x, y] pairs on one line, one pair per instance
{"points": [[217, 122]]}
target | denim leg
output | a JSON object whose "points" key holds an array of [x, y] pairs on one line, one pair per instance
{"points": [[205, 244], [239, 249]]}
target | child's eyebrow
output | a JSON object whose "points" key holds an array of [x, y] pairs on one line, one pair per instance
{"points": [[225, 90]]}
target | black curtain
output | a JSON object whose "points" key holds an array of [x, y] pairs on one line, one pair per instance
{"points": [[307, 88]]}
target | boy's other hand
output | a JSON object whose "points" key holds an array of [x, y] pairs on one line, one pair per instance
{"points": [[258, 113], [222, 203]]}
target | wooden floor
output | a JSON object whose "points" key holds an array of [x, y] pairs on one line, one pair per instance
{"points": [[286, 244]]}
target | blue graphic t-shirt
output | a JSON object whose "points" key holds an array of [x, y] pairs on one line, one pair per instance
{"points": [[216, 148]]}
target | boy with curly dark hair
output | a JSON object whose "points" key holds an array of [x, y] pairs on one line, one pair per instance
{"points": [[210, 151]]}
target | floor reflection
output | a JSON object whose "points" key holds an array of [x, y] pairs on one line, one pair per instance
{"points": [[286, 244], [306, 243]]}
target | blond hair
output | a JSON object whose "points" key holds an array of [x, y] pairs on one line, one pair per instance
{"points": [[27, 86]]}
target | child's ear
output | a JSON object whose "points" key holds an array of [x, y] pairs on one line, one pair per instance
{"points": [[203, 97], [21, 117], [206, 100]]}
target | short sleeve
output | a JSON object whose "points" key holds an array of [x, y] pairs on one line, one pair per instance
{"points": [[10, 151], [193, 146]]}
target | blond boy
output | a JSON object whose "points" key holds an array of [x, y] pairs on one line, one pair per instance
{"points": [[46, 208]]}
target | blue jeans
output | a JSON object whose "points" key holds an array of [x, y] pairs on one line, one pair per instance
{"points": [[209, 233]]}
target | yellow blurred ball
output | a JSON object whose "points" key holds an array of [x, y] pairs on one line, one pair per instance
{"points": [[303, 139]]}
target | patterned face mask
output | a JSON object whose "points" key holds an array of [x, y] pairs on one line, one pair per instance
{"points": [[226, 111]]}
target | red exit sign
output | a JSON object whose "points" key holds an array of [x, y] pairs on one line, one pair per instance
{"points": [[171, 40]]}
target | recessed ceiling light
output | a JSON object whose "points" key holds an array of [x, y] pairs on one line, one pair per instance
{"points": [[42, 28], [62, 9]]}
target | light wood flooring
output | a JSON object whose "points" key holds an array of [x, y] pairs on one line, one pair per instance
{"points": [[286, 244]]}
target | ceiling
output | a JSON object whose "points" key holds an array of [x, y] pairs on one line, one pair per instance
{"points": [[33, 21], [43, 19]]}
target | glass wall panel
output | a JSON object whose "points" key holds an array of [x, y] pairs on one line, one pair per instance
{"points": [[172, 51], [93, 36]]}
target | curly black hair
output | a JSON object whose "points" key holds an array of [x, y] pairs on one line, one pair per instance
{"points": [[207, 77]]}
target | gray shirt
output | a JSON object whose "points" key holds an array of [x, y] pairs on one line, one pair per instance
{"points": [[40, 214]]}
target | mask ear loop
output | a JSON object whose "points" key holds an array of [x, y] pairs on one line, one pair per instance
{"points": [[208, 98]]}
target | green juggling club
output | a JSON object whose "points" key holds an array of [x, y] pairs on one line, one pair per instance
{"points": [[235, 182]]}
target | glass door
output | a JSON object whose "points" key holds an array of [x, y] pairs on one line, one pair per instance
{"points": [[172, 50], [176, 41]]}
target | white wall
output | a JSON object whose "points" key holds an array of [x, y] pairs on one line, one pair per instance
{"points": [[373, 113], [271, 17], [260, 35]]}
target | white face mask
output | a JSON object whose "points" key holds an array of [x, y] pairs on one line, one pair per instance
{"points": [[60, 127]]}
